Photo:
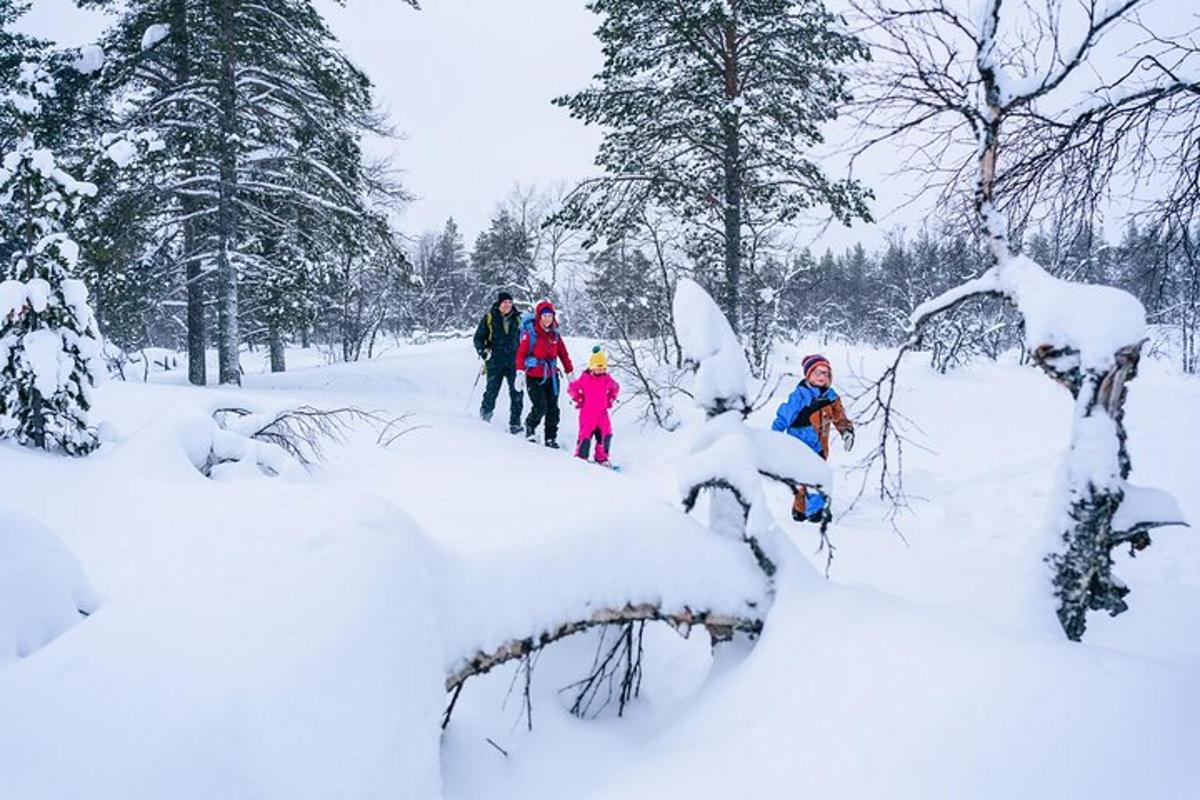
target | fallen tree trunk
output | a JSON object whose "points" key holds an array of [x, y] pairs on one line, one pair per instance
{"points": [[720, 626]]}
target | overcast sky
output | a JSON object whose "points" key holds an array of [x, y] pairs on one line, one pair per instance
{"points": [[469, 83]]}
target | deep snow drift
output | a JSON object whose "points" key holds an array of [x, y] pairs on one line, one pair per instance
{"points": [[288, 637]]}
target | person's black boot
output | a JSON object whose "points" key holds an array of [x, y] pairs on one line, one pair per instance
{"points": [[530, 434], [552, 444], [515, 429]]}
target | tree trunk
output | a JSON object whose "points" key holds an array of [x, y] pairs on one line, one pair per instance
{"points": [[275, 345], [193, 270], [196, 333], [228, 337], [1083, 578], [732, 169]]}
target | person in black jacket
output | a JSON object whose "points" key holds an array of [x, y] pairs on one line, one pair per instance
{"points": [[496, 341]]}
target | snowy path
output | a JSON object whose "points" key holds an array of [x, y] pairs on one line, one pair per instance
{"points": [[919, 673]]}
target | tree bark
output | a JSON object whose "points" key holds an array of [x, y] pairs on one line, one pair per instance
{"points": [[193, 270], [275, 346], [228, 335], [732, 170]]}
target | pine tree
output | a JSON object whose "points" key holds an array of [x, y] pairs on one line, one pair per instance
{"points": [[261, 175], [503, 258], [709, 109], [623, 293], [48, 337], [15, 50]]}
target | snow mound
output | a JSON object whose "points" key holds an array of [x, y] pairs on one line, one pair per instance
{"points": [[42, 587], [301, 662]]}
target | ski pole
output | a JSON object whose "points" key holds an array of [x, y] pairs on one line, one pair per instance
{"points": [[475, 385]]}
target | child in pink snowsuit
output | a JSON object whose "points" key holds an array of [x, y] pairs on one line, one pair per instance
{"points": [[594, 393]]}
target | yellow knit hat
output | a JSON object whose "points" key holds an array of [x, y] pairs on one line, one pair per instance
{"points": [[598, 360]]}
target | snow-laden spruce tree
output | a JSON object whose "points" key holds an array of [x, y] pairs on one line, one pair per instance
{"points": [[996, 78], [261, 186], [48, 338], [728, 458]]}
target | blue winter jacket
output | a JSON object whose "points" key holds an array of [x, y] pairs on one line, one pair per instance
{"points": [[795, 415]]}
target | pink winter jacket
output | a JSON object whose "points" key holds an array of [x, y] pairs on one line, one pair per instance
{"points": [[594, 394]]}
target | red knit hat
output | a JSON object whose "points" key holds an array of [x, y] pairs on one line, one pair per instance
{"points": [[812, 362]]}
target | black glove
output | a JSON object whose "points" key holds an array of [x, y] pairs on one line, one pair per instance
{"points": [[848, 439]]}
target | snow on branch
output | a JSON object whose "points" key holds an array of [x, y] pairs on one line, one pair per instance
{"points": [[1090, 320]]}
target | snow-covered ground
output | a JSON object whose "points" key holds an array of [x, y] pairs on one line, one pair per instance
{"points": [[289, 637]]}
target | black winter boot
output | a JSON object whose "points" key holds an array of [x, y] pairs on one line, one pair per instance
{"points": [[515, 429], [552, 444]]}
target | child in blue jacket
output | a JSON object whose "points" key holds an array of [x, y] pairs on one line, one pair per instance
{"points": [[809, 412]]}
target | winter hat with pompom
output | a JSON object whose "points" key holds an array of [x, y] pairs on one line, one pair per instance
{"points": [[812, 362], [598, 360]]}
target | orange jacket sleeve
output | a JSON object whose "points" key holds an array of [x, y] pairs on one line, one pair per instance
{"points": [[840, 420]]}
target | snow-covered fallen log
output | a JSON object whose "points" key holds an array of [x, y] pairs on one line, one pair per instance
{"points": [[720, 626], [641, 562]]}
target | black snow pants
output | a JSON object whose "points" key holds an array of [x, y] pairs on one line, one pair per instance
{"points": [[496, 376], [543, 401]]}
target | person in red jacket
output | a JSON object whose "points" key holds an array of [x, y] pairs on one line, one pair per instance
{"points": [[540, 349]]}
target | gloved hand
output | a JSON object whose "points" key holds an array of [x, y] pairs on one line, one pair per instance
{"points": [[519, 383], [848, 439], [484, 354], [571, 375]]}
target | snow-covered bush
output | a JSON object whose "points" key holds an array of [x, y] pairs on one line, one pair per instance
{"points": [[228, 442], [49, 343], [43, 590]]}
